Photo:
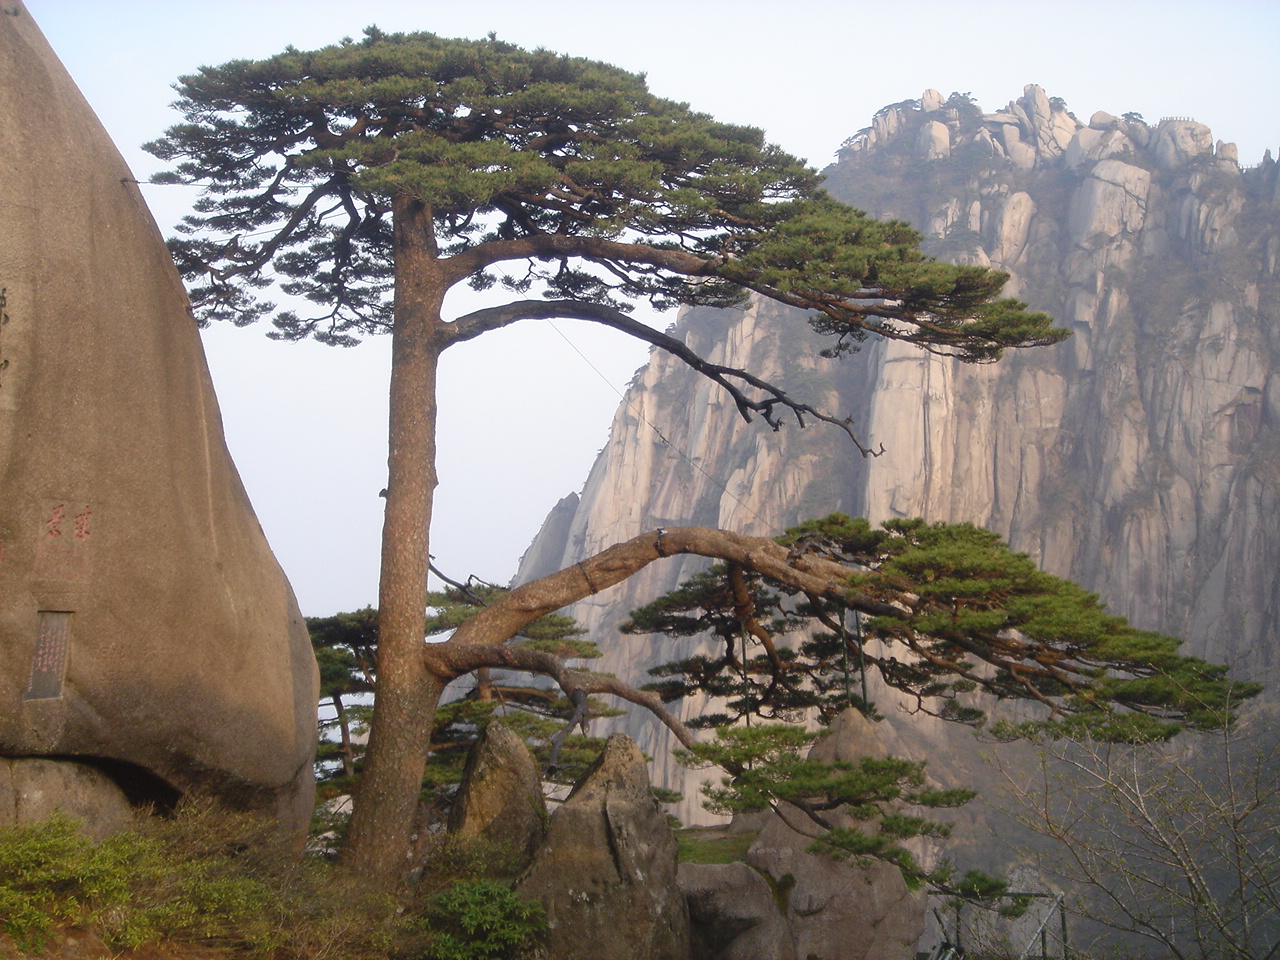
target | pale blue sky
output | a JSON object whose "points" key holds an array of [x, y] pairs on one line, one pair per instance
{"points": [[523, 414]]}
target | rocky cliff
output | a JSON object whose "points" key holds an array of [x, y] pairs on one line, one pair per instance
{"points": [[1140, 458]]}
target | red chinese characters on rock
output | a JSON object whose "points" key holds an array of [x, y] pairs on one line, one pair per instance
{"points": [[62, 550], [82, 524]]}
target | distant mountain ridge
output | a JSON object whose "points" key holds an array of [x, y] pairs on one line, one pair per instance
{"points": [[1140, 458]]}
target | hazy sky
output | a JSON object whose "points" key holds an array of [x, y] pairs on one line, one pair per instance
{"points": [[524, 411]]}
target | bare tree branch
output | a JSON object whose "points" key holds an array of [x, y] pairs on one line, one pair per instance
{"points": [[452, 660], [493, 318]]}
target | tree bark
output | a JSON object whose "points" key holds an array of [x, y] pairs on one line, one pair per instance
{"points": [[407, 693]]}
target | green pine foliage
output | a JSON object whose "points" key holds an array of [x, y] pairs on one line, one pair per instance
{"points": [[972, 623], [977, 618], [302, 154], [553, 633], [347, 650], [861, 808]]}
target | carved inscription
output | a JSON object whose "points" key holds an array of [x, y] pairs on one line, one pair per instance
{"points": [[62, 546], [49, 664]]}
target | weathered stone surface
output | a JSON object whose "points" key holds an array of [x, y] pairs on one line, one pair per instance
{"points": [[143, 619], [734, 913], [606, 874], [32, 790], [1111, 201], [500, 799], [1090, 145], [934, 141], [835, 911], [850, 737], [785, 902], [552, 535], [1180, 141], [1014, 227]]}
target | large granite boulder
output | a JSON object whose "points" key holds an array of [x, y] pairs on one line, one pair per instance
{"points": [[33, 789], [606, 874], [834, 910], [735, 913], [146, 629], [500, 799]]}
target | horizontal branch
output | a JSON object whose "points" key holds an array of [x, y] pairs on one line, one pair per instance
{"points": [[556, 245], [871, 309], [480, 641], [809, 573]]}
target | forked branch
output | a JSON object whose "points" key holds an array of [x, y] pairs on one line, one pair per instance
{"points": [[459, 659]]}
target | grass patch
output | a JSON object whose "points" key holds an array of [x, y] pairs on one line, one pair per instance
{"points": [[713, 845], [222, 880]]}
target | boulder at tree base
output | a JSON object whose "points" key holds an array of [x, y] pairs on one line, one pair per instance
{"points": [[606, 874], [145, 627], [500, 798]]}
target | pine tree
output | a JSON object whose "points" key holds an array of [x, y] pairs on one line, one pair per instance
{"points": [[369, 178], [346, 646]]}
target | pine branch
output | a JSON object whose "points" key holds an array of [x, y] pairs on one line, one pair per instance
{"points": [[492, 318]]}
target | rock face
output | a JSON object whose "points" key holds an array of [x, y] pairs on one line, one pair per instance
{"points": [[734, 913], [32, 790], [840, 911], [785, 903], [500, 798], [145, 628], [606, 874], [1138, 458]]}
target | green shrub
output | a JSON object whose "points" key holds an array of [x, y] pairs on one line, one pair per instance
{"points": [[479, 920], [205, 876], [50, 873]]}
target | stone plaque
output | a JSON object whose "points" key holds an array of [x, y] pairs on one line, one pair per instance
{"points": [[49, 665]]}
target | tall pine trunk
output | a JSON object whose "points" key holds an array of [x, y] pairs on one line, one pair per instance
{"points": [[407, 693]]}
